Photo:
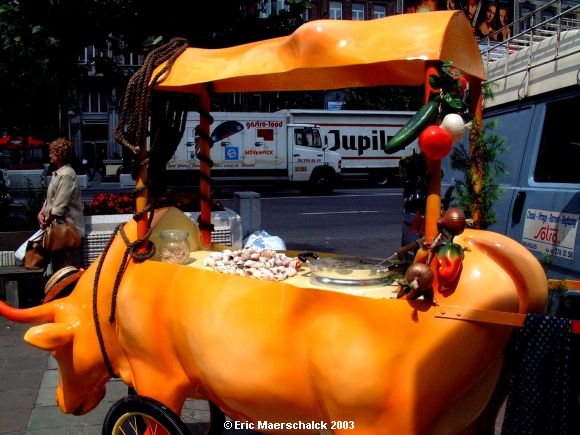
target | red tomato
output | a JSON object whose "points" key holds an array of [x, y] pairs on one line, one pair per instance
{"points": [[435, 142]]}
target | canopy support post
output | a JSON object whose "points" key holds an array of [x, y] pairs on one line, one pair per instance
{"points": [[141, 197], [205, 166], [433, 203]]}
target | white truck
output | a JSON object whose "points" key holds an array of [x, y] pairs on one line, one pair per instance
{"points": [[360, 136], [261, 147], [280, 146]]}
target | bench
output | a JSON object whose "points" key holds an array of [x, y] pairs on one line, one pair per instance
{"points": [[21, 287]]}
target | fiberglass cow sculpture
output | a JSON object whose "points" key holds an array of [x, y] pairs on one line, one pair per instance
{"points": [[271, 351]]}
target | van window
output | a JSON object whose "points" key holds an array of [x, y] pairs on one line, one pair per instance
{"points": [[560, 146], [509, 126]]}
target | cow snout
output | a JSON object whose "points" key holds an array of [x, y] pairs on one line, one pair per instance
{"points": [[80, 405]]}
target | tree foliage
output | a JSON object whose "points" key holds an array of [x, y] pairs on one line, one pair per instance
{"points": [[384, 98], [41, 41]]}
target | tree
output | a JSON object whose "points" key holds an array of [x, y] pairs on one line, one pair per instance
{"points": [[384, 98], [42, 39]]}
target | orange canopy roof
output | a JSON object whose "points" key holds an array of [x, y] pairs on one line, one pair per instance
{"points": [[332, 54]]}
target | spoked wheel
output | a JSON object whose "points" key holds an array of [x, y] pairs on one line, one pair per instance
{"points": [[142, 415]]}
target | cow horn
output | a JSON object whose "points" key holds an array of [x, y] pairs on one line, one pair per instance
{"points": [[38, 314]]}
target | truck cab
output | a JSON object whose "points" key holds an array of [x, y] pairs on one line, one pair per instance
{"points": [[312, 165]]}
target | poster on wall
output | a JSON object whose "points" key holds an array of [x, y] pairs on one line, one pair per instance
{"points": [[486, 16]]}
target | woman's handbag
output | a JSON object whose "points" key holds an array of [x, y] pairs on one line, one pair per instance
{"points": [[36, 257], [60, 236]]}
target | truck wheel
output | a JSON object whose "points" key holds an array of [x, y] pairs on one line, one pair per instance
{"points": [[380, 178], [321, 182]]}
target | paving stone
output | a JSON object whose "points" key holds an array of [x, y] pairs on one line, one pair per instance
{"points": [[13, 421], [26, 364], [20, 381], [51, 417], [18, 399]]}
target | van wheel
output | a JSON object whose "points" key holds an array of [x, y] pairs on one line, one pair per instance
{"points": [[321, 182], [380, 178]]}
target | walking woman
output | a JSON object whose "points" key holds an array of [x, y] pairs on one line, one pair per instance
{"points": [[63, 201]]}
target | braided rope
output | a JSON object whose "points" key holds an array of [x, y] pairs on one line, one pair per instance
{"points": [[100, 338]]}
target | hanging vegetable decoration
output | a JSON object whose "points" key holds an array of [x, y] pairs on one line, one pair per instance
{"points": [[452, 92], [435, 142], [454, 125], [449, 261]]}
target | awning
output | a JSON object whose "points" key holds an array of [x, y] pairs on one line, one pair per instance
{"points": [[333, 54]]}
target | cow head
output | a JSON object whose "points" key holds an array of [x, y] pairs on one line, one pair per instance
{"points": [[69, 335]]}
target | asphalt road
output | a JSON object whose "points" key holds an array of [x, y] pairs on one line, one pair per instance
{"points": [[354, 221]]}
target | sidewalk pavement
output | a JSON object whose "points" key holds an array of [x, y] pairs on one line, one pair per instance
{"points": [[28, 380]]}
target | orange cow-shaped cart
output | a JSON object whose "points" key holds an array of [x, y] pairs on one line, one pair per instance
{"points": [[292, 352]]}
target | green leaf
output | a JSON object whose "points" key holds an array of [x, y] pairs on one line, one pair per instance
{"points": [[453, 100], [434, 81]]}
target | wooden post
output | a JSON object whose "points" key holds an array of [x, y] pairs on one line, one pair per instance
{"points": [[476, 152], [205, 167], [141, 195]]}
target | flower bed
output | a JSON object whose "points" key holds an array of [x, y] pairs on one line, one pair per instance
{"points": [[124, 203]]}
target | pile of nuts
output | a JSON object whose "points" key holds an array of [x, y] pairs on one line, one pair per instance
{"points": [[263, 264]]}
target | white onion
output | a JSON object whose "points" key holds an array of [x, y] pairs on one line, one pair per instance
{"points": [[454, 125]]}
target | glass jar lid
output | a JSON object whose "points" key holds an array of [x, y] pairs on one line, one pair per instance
{"points": [[174, 234]]}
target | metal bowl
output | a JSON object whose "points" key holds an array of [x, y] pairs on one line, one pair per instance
{"points": [[350, 271]]}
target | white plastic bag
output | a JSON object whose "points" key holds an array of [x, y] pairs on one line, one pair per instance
{"points": [[21, 251], [263, 240]]}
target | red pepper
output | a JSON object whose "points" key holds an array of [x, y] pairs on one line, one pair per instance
{"points": [[449, 260]]}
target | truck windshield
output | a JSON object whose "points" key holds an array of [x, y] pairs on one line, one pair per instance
{"points": [[308, 136]]}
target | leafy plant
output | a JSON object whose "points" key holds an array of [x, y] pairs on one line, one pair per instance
{"points": [[487, 149]]}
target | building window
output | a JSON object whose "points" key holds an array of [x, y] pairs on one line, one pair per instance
{"points": [[94, 102], [89, 53], [379, 11], [335, 10], [132, 59], [358, 11], [269, 7], [525, 9]]}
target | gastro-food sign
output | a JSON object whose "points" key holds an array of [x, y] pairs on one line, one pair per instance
{"points": [[551, 232]]}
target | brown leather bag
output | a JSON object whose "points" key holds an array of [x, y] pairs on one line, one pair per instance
{"points": [[60, 236], [36, 257]]}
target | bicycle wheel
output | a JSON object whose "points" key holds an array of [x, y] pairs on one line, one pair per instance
{"points": [[140, 415]]}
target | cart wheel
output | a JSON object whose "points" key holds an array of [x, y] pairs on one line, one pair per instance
{"points": [[140, 415]]}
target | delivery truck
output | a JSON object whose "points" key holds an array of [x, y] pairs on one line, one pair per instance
{"points": [[360, 137], [303, 146], [259, 147]]}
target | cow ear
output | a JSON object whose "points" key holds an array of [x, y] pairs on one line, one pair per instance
{"points": [[49, 336]]}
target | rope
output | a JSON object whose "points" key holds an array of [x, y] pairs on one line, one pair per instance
{"points": [[95, 306], [131, 249]]}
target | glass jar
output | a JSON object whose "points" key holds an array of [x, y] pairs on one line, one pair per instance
{"points": [[174, 246]]}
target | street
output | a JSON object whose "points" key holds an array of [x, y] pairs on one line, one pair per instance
{"points": [[359, 222]]}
